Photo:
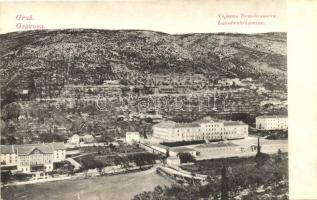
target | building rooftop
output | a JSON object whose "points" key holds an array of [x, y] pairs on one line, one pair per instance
{"points": [[171, 124], [216, 145], [184, 125], [233, 123], [271, 116], [7, 149], [75, 135], [208, 120], [25, 149], [132, 133], [160, 146], [181, 149]]}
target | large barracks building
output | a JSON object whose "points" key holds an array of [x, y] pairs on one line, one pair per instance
{"points": [[204, 129]]}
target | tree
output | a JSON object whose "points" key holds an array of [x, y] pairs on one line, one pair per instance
{"points": [[2, 125], [167, 154], [186, 157], [144, 133], [279, 156], [5, 176], [224, 184], [112, 147], [12, 111], [11, 139]]}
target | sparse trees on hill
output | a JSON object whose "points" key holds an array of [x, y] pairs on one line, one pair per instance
{"points": [[11, 111]]}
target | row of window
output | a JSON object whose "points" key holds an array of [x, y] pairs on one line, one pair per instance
{"points": [[10, 161], [216, 125], [218, 149], [27, 169], [210, 136], [188, 130], [211, 133], [213, 129], [283, 120]]}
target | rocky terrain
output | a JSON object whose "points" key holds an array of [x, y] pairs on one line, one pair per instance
{"points": [[92, 56]]}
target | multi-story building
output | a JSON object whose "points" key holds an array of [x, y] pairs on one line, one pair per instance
{"points": [[8, 155], [132, 137], [235, 130], [32, 157], [205, 129], [271, 122], [182, 79], [75, 140]]}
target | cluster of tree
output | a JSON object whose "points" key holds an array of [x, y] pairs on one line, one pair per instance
{"points": [[140, 159], [235, 177], [6, 176], [245, 117], [186, 157], [11, 111], [179, 192], [89, 162], [271, 134], [9, 140], [52, 137], [63, 168]]}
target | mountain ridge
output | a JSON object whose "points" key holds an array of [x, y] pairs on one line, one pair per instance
{"points": [[90, 56]]}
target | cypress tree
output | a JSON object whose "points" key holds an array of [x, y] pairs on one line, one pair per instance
{"points": [[224, 183]]}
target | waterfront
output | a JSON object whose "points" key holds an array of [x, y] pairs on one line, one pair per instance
{"points": [[118, 187]]}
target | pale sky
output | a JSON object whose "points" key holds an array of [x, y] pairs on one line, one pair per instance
{"points": [[178, 16]]}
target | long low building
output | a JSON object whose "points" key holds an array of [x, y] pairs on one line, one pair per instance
{"points": [[239, 148], [204, 129], [32, 157], [224, 149]]}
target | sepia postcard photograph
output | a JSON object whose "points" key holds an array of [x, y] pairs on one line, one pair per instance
{"points": [[145, 100]]}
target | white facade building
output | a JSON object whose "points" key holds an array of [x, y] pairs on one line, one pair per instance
{"points": [[75, 139], [271, 122], [132, 137], [173, 161], [205, 129], [32, 157]]}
